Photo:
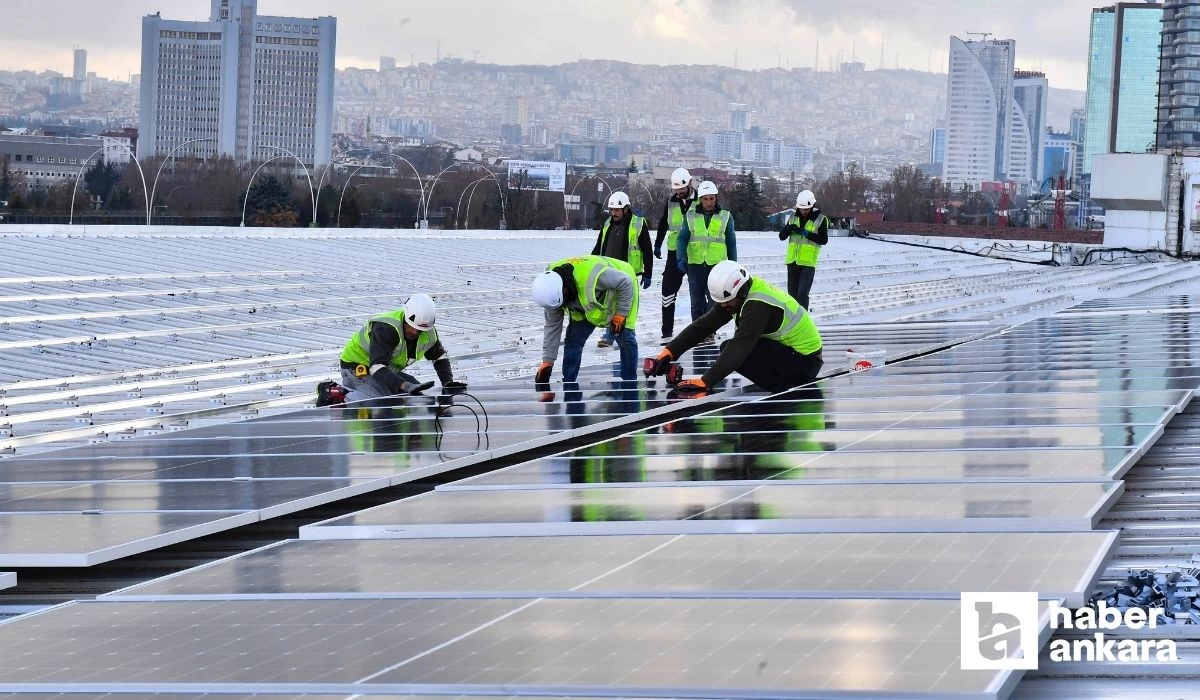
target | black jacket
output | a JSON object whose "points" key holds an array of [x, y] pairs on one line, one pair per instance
{"points": [[383, 340], [758, 318], [663, 221], [795, 225]]}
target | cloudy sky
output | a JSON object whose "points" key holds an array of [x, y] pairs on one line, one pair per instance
{"points": [[1050, 36]]}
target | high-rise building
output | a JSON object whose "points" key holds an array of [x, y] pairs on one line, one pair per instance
{"points": [[1059, 152], [723, 145], [252, 86], [511, 134], [739, 117], [979, 111], [597, 129], [80, 72], [937, 142], [1122, 100], [1031, 100], [516, 111], [798, 159], [1179, 82], [1078, 124], [387, 63]]}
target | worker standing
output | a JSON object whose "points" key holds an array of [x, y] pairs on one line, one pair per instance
{"points": [[776, 344], [669, 226], [707, 238], [624, 236], [806, 230], [592, 291], [374, 359]]}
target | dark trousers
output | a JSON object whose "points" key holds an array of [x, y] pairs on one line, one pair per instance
{"points": [[672, 280], [698, 286], [800, 282], [776, 367]]}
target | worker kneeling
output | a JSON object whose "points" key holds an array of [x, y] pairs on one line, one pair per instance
{"points": [[593, 292], [776, 344], [374, 359]]}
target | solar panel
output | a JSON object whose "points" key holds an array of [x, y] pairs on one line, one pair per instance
{"points": [[900, 565], [1100, 464], [766, 648], [778, 508], [7, 579]]}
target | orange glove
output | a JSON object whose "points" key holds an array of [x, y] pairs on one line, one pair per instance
{"points": [[618, 324], [696, 384], [661, 363], [543, 372]]}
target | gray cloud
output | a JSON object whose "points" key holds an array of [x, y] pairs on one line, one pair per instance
{"points": [[40, 33]]}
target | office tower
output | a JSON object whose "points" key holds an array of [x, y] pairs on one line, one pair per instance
{"points": [[937, 142], [1179, 82], [253, 87], [516, 111], [979, 111], [1031, 99], [739, 117], [80, 72], [1122, 94]]}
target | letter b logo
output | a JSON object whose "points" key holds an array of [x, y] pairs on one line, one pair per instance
{"points": [[999, 631]]}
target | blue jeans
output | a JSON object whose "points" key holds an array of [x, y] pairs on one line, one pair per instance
{"points": [[577, 335], [698, 287]]}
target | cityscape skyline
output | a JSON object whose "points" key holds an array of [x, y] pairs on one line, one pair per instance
{"points": [[756, 35]]}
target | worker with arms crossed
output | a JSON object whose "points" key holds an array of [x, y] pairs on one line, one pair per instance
{"points": [[374, 359], [776, 344], [624, 236], [805, 230], [592, 291]]}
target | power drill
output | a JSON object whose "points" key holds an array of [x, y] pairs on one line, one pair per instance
{"points": [[673, 375]]}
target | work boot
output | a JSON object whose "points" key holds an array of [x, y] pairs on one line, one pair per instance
{"points": [[604, 343], [330, 394]]}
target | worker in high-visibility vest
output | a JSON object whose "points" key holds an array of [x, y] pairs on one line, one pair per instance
{"points": [[776, 344], [806, 231], [592, 292], [669, 225], [374, 358], [707, 238], [624, 236]]}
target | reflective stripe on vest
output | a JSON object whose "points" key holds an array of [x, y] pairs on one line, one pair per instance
{"points": [[676, 212], [801, 250], [797, 331], [357, 349], [596, 311], [633, 254], [706, 246]]}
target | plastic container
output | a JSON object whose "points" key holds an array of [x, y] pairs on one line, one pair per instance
{"points": [[865, 358]]}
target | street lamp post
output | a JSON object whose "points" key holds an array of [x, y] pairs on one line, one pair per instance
{"points": [[246, 199], [171, 154], [145, 189], [343, 194], [75, 189], [307, 176], [462, 194]]}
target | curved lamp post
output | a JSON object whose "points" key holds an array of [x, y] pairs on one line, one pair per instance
{"points": [[462, 194], [343, 194], [566, 214], [472, 187], [75, 189], [145, 189], [416, 174], [307, 176], [170, 155], [246, 199]]}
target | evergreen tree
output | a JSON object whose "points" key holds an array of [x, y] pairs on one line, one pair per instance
{"points": [[748, 203]]}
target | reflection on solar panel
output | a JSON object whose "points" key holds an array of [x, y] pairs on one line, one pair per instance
{"points": [[901, 565], [986, 465]]}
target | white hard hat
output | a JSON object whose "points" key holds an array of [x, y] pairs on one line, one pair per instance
{"points": [[806, 200], [618, 200], [548, 290], [726, 280], [706, 187], [420, 312], [680, 178]]}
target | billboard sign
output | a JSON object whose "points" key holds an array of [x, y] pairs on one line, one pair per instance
{"points": [[537, 175]]}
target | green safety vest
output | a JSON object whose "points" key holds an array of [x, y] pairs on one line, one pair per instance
{"points": [[801, 250], [634, 256], [598, 306], [356, 351], [706, 246], [675, 219], [797, 331]]}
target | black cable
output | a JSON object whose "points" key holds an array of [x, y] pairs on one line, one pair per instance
{"points": [[959, 249]]}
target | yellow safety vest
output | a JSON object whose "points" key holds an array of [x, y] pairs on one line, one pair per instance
{"points": [[356, 349], [598, 307], [634, 256], [706, 246], [801, 250], [797, 331], [675, 218]]}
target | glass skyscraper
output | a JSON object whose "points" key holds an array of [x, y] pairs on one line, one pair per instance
{"points": [[1099, 84], [1179, 77]]}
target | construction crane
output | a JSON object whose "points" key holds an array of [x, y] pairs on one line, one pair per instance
{"points": [[985, 35], [1060, 202]]}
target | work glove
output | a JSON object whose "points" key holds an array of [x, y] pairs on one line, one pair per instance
{"points": [[454, 386], [658, 253], [693, 386], [543, 373], [646, 281], [658, 366], [414, 388], [617, 325]]}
